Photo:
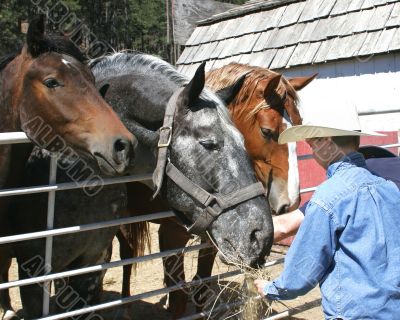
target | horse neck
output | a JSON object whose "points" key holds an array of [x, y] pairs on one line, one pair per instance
{"points": [[12, 157], [11, 83]]}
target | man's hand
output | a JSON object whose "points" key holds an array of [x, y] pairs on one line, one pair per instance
{"points": [[260, 285]]}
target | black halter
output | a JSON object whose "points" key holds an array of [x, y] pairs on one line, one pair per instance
{"points": [[213, 205]]}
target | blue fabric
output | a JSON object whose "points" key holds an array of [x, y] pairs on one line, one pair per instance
{"points": [[349, 244]]}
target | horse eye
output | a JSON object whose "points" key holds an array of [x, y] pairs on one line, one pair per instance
{"points": [[51, 83], [209, 144], [267, 133]]}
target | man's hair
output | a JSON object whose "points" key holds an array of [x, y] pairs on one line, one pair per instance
{"points": [[347, 141]]}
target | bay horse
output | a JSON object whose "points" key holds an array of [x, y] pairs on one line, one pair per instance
{"points": [[48, 92], [139, 87], [264, 106]]}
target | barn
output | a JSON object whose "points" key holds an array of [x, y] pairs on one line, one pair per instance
{"points": [[353, 45]]}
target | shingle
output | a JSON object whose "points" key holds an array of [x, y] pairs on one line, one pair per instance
{"points": [[242, 25], [217, 31], [298, 54], [203, 36], [184, 55], [286, 36], [394, 19], [380, 17], [312, 50], [252, 22], [352, 19], [369, 43], [218, 49], [193, 36], [211, 33], [322, 29], [229, 30], [340, 7], [323, 50], [307, 33], [228, 48], [282, 57], [315, 9], [292, 13], [246, 58], [263, 40], [246, 43], [345, 47], [355, 5], [263, 59], [271, 18], [205, 51], [382, 45], [192, 54], [395, 43], [372, 3]]}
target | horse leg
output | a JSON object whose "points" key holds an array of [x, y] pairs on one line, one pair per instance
{"points": [[204, 295], [173, 236], [82, 290], [125, 252], [32, 295], [5, 303]]}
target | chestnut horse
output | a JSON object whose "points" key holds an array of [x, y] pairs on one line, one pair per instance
{"points": [[263, 108], [48, 92]]}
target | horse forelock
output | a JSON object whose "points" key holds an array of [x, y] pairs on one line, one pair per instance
{"points": [[126, 63]]}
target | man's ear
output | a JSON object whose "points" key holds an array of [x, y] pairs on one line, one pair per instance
{"points": [[228, 94]]}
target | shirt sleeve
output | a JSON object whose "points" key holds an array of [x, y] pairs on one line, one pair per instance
{"points": [[308, 258]]}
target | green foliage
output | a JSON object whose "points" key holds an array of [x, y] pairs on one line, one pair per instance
{"points": [[123, 24]]}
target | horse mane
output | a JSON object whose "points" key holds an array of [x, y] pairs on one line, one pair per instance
{"points": [[52, 43], [229, 74], [125, 63]]}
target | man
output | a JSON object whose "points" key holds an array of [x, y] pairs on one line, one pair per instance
{"points": [[349, 240], [380, 162]]}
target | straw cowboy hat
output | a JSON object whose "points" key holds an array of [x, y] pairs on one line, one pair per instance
{"points": [[324, 120]]}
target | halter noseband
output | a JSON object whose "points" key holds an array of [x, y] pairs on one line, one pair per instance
{"points": [[213, 205]]}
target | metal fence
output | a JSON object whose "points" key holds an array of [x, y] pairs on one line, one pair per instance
{"points": [[51, 189]]}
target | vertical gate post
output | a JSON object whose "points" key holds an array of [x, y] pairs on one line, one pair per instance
{"points": [[49, 240]]}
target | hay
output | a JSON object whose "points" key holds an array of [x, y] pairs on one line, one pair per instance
{"points": [[254, 306]]}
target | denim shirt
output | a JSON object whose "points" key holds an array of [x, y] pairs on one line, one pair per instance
{"points": [[349, 243]]}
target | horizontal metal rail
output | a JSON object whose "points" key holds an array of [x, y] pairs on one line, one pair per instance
{"points": [[13, 138], [145, 295], [74, 185], [86, 227], [104, 266]]}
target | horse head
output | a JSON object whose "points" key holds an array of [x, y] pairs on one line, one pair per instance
{"points": [[58, 105], [209, 151], [265, 106]]}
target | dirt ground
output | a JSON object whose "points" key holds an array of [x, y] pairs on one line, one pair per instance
{"points": [[150, 277]]}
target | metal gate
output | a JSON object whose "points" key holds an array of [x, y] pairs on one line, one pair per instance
{"points": [[51, 189]]}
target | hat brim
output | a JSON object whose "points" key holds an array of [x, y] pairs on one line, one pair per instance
{"points": [[303, 132]]}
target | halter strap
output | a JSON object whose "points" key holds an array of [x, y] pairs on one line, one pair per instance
{"points": [[164, 142], [213, 205]]}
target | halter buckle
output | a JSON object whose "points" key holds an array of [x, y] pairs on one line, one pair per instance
{"points": [[165, 144]]}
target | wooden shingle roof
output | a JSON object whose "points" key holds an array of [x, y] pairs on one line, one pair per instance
{"points": [[280, 34]]}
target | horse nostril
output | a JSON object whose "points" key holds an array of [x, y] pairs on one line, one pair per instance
{"points": [[255, 238], [121, 145], [283, 209]]}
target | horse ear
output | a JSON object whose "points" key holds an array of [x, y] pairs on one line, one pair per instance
{"points": [[300, 82], [193, 89], [35, 38], [271, 94], [229, 93], [103, 90]]}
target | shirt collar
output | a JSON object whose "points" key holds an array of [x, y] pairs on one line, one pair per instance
{"points": [[349, 160]]}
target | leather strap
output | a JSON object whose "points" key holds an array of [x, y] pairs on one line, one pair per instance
{"points": [[164, 142], [213, 205]]}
